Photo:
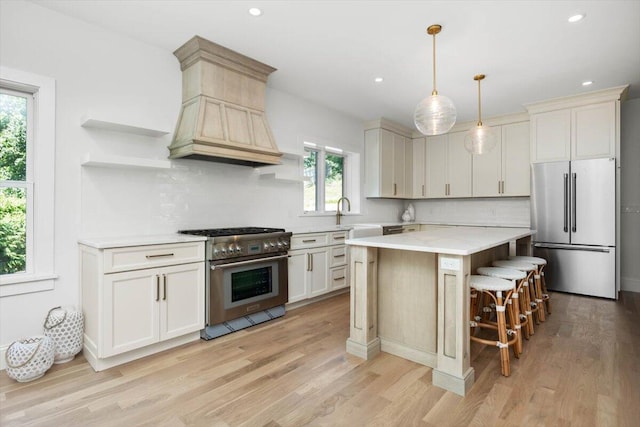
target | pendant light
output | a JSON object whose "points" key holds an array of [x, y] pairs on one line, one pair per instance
{"points": [[480, 139], [435, 114]]}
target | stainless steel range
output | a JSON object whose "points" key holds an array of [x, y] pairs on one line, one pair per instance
{"points": [[247, 271]]}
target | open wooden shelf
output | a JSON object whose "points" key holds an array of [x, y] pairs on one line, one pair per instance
{"points": [[90, 122], [121, 162]]}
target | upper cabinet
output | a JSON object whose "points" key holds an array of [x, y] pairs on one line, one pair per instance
{"points": [[504, 171], [448, 166], [585, 126], [388, 159]]}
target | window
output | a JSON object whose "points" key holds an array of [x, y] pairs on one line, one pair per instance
{"points": [[27, 152], [16, 206], [328, 177]]}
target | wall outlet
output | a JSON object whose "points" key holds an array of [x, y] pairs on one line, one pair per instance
{"points": [[449, 263]]}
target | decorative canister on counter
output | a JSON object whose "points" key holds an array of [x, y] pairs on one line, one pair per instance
{"points": [[28, 359], [65, 327]]}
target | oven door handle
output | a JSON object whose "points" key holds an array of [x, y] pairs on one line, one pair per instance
{"points": [[251, 261]]}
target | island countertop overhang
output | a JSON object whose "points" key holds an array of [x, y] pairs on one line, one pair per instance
{"points": [[452, 241]]}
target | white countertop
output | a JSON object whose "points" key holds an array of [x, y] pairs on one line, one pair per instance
{"points": [[124, 241], [453, 241]]}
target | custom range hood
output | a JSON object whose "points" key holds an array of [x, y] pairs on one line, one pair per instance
{"points": [[222, 116]]}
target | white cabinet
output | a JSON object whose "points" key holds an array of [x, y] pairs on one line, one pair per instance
{"points": [[140, 296], [419, 163], [387, 163], [504, 171], [584, 126], [585, 132], [317, 264], [448, 166]]}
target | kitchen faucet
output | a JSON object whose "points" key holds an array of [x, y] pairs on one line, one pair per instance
{"points": [[338, 213]]}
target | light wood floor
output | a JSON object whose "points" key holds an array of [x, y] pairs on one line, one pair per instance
{"points": [[581, 368]]}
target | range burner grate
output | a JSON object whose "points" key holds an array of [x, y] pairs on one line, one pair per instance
{"points": [[233, 231]]}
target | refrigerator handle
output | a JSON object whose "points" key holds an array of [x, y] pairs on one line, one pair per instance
{"points": [[573, 202], [566, 202]]}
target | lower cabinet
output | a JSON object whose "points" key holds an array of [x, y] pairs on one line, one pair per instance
{"points": [[138, 300], [147, 306], [317, 265]]}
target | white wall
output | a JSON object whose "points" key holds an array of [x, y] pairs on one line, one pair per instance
{"points": [[111, 76], [508, 212], [630, 196]]}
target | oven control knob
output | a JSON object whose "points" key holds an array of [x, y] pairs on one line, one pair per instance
{"points": [[266, 246], [279, 244], [231, 248]]}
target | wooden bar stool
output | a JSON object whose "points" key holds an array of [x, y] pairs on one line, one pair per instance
{"points": [[529, 306], [518, 278], [500, 291], [540, 263]]}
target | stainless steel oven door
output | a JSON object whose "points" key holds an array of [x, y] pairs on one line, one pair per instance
{"points": [[245, 287]]}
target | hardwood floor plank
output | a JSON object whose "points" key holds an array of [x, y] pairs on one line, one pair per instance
{"points": [[579, 369]]}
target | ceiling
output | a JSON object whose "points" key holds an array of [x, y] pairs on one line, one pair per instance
{"points": [[330, 52]]}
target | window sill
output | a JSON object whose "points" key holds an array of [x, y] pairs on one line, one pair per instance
{"points": [[26, 284]]}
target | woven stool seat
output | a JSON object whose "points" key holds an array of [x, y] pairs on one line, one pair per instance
{"points": [[530, 259], [502, 273], [516, 265], [486, 283]]}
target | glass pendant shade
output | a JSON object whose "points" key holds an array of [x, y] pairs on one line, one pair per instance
{"points": [[435, 115], [480, 140]]}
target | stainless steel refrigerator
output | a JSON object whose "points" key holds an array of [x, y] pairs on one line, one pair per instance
{"points": [[573, 213]]}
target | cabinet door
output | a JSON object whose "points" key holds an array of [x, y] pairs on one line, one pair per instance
{"points": [[318, 272], [399, 166], [458, 166], [516, 169], [298, 266], [182, 300], [593, 131], [419, 162], [436, 166], [131, 311], [487, 170], [551, 136], [387, 162]]}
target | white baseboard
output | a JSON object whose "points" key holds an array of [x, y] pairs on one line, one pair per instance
{"points": [[629, 284]]}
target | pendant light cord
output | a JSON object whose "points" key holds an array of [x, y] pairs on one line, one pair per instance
{"points": [[479, 106], [434, 91]]}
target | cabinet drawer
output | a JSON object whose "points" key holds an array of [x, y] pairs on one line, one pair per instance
{"points": [[339, 278], [139, 257], [309, 240], [338, 256], [337, 238]]}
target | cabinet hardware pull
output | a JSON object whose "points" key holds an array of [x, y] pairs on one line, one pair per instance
{"points": [[164, 285], [311, 258], [423, 189], [309, 241], [158, 256], [338, 278], [157, 287], [308, 262], [499, 187], [338, 238], [338, 256]]}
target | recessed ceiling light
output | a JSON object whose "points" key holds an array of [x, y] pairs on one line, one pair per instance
{"points": [[378, 80], [255, 11], [587, 83], [576, 18]]}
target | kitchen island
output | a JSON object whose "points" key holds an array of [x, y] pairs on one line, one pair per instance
{"points": [[409, 295]]}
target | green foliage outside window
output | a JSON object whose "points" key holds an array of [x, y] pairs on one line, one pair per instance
{"points": [[13, 167]]}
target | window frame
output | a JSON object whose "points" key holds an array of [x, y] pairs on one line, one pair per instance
{"points": [[349, 184], [39, 274]]}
